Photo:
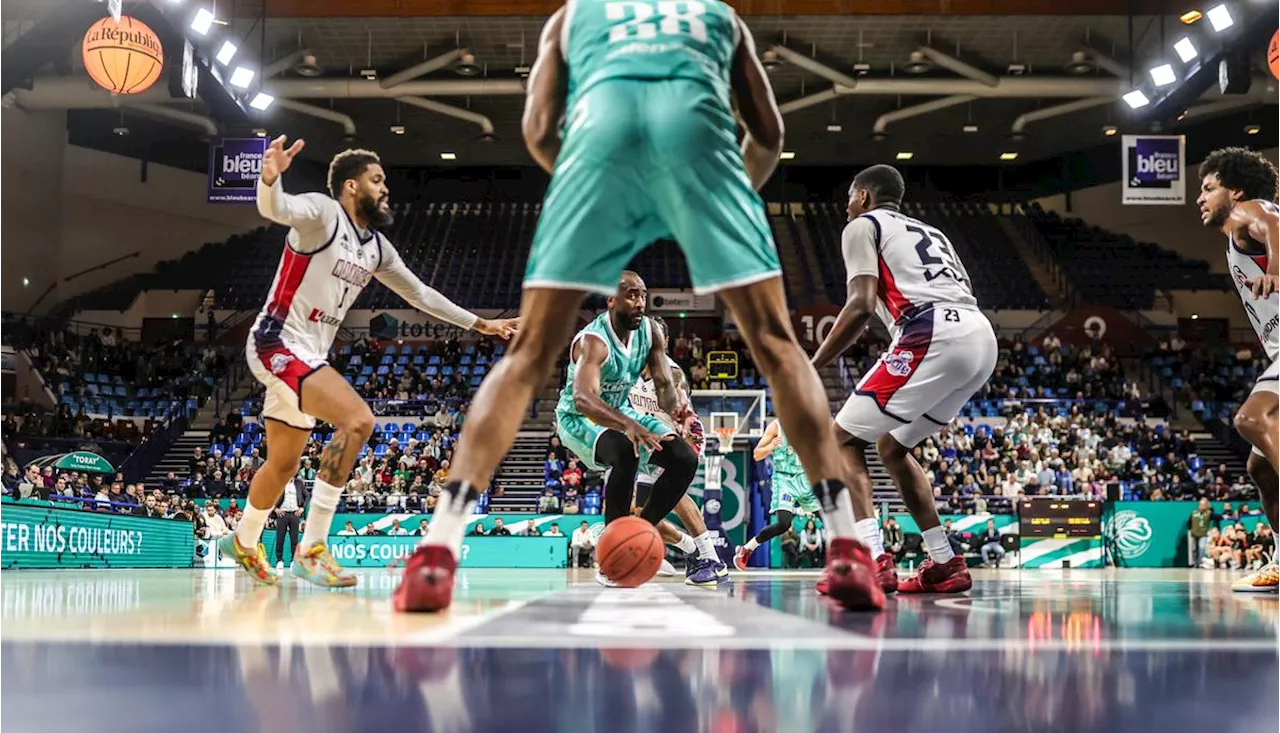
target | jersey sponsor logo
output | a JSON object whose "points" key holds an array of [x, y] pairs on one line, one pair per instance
{"points": [[319, 316], [350, 272], [1238, 275], [1269, 330], [898, 363], [280, 362]]}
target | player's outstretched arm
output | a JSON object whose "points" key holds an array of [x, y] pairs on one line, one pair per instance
{"points": [[769, 442], [757, 108], [1262, 223], [589, 355], [305, 213], [397, 276], [548, 87]]}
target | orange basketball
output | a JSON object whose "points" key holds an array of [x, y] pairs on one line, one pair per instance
{"points": [[1273, 55], [124, 58], [630, 551]]}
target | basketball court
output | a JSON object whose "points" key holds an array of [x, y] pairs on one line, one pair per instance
{"points": [[1034, 650]]}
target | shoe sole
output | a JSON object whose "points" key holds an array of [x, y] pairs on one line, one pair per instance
{"points": [[270, 580], [1256, 589], [702, 584], [321, 583], [851, 595]]}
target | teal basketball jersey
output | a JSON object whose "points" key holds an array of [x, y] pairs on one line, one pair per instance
{"points": [[626, 361], [649, 39], [785, 459]]}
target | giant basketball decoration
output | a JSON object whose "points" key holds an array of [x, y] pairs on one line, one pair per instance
{"points": [[124, 58], [1273, 55]]}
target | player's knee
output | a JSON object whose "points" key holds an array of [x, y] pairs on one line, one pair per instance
{"points": [[1260, 471], [615, 450], [1251, 426], [678, 457], [890, 449], [284, 467], [784, 519], [359, 424]]}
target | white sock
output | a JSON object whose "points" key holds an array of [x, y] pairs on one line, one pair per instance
{"points": [[449, 522], [935, 541], [706, 547], [839, 517], [324, 502], [249, 530], [752, 544], [869, 532], [684, 544]]}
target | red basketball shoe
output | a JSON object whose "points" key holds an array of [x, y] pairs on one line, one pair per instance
{"points": [[741, 558], [887, 573], [427, 583], [850, 576], [951, 576]]}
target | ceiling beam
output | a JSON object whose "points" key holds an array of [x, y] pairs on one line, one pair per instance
{"points": [[883, 121], [323, 113], [422, 68], [1059, 110], [813, 66], [953, 64], [486, 124]]}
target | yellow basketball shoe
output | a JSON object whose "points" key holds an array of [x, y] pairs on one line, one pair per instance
{"points": [[315, 565], [1265, 580]]}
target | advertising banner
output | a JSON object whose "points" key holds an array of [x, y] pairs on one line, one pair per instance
{"points": [[41, 536], [235, 163], [477, 552], [1155, 169], [676, 301]]}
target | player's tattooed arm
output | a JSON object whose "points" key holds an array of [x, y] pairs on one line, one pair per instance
{"points": [[858, 309], [548, 86], [1260, 222]]}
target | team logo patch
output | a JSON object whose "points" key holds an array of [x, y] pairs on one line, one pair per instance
{"points": [[898, 363], [1130, 533], [280, 362]]}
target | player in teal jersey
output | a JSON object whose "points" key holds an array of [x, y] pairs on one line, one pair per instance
{"points": [[631, 108], [791, 492]]}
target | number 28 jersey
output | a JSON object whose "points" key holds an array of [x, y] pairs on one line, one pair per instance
{"points": [[915, 263]]}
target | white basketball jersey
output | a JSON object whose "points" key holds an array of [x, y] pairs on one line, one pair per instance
{"points": [[644, 398], [316, 283], [1264, 313], [915, 263]]}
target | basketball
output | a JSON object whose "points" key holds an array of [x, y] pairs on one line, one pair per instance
{"points": [[124, 58], [1273, 55], [630, 551]]}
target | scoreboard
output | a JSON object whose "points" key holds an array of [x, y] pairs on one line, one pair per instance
{"points": [[1050, 518]]}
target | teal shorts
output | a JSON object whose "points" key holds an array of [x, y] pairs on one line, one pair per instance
{"points": [[579, 434], [792, 493], [644, 160]]}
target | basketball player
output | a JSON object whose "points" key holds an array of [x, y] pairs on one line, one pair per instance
{"points": [[1237, 197], [791, 492], [332, 251], [645, 92], [943, 350], [703, 569]]}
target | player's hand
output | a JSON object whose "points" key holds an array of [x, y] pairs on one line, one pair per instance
{"points": [[277, 159], [503, 328], [1263, 286], [642, 438]]}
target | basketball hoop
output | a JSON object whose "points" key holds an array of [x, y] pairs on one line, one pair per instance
{"points": [[725, 433], [724, 438]]}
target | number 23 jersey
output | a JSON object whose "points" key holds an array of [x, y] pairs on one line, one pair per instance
{"points": [[916, 265]]}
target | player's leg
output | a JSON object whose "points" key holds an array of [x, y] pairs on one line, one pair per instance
{"points": [[783, 516], [1256, 421], [286, 444], [671, 535], [1265, 478]]}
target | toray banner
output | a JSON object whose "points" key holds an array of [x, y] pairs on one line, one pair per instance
{"points": [[1155, 169], [235, 163]]}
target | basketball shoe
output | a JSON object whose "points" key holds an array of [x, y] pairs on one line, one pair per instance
{"points": [[315, 565], [427, 583], [887, 573], [254, 562], [701, 572], [604, 580], [849, 577], [951, 576], [741, 557], [666, 569], [1265, 579]]}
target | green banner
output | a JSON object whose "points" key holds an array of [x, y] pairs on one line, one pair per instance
{"points": [[962, 523], [1153, 534], [42, 536], [477, 552]]}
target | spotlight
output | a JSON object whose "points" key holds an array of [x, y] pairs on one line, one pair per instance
{"points": [[202, 22], [1079, 64], [1110, 130], [917, 63], [1186, 49], [787, 155], [770, 61], [226, 53], [1195, 316], [1136, 99], [970, 128], [1190, 17], [835, 127], [1220, 18], [905, 155], [397, 129], [242, 77], [1163, 75], [448, 156], [259, 132], [370, 74], [307, 66], [466, 65], [120, 130], [1008, 156], [861, 69], [1252, 129], [261, 101]]}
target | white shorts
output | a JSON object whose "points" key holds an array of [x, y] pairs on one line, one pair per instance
{"points": [[938, 360], [282, 369], [1269, 381]]}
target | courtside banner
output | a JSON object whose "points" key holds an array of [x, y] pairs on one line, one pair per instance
{"points": [[235, 163], [477, 552], [1155, 169], [47, 537]]}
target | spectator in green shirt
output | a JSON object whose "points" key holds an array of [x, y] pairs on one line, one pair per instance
{"points": [[1201, 521]]}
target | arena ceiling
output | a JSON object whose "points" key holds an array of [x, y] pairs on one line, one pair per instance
{"points": [[1012, 62]]}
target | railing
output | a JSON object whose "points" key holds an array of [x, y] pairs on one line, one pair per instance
{"points": [[153, 448], [237, 370]]}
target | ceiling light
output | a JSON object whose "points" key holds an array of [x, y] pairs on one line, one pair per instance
{"points": [[1109, 130], [226, 53], [1190, 16], [120, 130], [1186, 49], [466, 65], [1008, 156], [26, 281], [397, 129], [835, 127], [970, 127], [307, 66], [861, 69], [1080, 63], [369, 74], [261, 101], [905, 155], [259, 132], [242, 77], [770, 61], [1220, 18], [1252, 129], [523, 70], [787, 155], [1163, 75], [202, 22], [917, 63], [1016, 69], [448, 156], [1136, 99]]}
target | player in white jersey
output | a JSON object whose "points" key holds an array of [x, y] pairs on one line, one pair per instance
{"points": [[943, 350], [704, 568], [1237, 197], [332, 251]]}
